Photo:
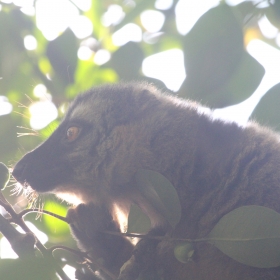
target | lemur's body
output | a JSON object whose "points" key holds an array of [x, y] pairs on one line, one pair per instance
{"points": [[111, 132]]}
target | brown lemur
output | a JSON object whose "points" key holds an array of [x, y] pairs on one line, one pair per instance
{"points": [[112, 131]]}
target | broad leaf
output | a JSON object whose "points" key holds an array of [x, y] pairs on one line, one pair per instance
{"points": [[62, 53], [160, 193], [213, 50], [242, 83], [249, 235], [122, 62], [138, 222], [267, 112]]}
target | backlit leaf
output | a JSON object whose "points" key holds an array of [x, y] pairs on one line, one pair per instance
{"points": [[55, 225], [267, 112]]}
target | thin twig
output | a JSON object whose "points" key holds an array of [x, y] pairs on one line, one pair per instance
{"points": [[38, 210], [85, 257], [17, 219]]}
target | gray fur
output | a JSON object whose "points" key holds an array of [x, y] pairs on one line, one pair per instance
{"points": [[214, 166]]}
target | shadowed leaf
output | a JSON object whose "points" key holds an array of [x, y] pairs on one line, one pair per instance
{"points": [[138, 222], [62, 53], [249, 235]]}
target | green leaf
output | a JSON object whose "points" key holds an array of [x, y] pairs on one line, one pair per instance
{"points": [[243, 82], [213, 50], [55, 225], [184, 252], [27, 269], [88, 75], [267, 112], [121, 62], [138, 222], [62, 54], [160, 193], [249, 235], [4, 175]]}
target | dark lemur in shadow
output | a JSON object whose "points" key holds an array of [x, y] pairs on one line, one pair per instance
{"points": [[110, 132]]}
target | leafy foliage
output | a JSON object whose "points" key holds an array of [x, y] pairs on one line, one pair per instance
{"points": [[220, 72], [267, 111]]}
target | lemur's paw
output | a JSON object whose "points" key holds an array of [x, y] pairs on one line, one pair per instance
{"points": [[88, 224], [90, 219]]}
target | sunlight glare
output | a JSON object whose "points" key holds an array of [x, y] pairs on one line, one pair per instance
{"points": [[39, 90], [189, 11], [54, 16], [30, 42], [234, 2], [5, 106], [152, 20], [42, 113], [268, 30], [24, 3], [101, 57], [113, 16], [84, 53], [82, 27], [129, 32], [84, 5], [163, 4], [43, 238], [29, 11], [70, 271], [167, 66], [6, 251], [269, 57]]}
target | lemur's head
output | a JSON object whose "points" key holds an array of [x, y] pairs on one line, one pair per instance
{"points": [[97, 145]]}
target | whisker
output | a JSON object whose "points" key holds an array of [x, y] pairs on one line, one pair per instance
{"points": [[27, 128], [19, 134], [20, 105], [21, 114]]}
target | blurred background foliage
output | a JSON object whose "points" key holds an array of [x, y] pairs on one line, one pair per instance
{"points": [[214, 52]]}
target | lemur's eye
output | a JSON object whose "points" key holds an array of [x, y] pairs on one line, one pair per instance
{"points": [[72, 133]]}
